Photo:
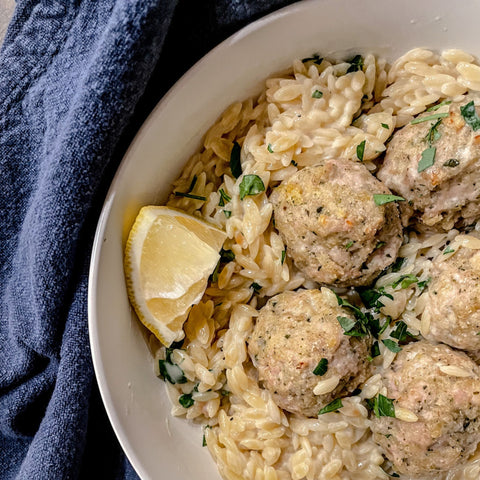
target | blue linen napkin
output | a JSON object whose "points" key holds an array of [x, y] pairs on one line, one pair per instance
{"points": [[77, 79]]}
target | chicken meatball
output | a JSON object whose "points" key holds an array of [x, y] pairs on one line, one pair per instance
{"points": [[298, 342], [333, 229], [441, 386], [435, 166], [453, 300]]}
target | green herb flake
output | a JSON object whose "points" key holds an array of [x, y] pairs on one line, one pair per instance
{"points": [[448, 250], [193, 183], [284, 255], [169, 370], [315, 58], [382, 406], [270, 148], [186, 400], [227, 213], [356, 64], [427, 160], [384, 125], [235, 162], [371, 298], [452, 162], [226, 255], [392, 345], [190, 195], [321, 368], [439, 105], [400, 332], [332, 406], [317, 94], [470, 116], [382, 199], [204, 440], [433, 134], [224, 198], [361, 150], [405, 281], [428, 118], [251, 185], [374, 351], [398, 264], [424, 283], [256, 287], [349, 244]]}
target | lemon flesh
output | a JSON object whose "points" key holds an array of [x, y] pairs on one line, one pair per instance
{"points": [[169, 257]]}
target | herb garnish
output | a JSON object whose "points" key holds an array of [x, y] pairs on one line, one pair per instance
{"points": [[384, 125], [256, 287], [186, 400], [349, 244], [392, 345], [374, 351], [448, 250], [235, 162], [284, 254], [190, 195], [332, 406], [424, 283], [315, 58], [251, 185], [361, 150], [321, 368], [228, 213], [371, 298], [382, 406], [270, 148], [405, 281], [356, 64], [427, 160], [224, 198], [317, 94], [470, 115], [452, 162], [427, 118], [169, 370], [433, 134], [441, 104], [382, 199]]}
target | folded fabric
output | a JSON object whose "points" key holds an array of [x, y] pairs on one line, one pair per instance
{"points": [[77, 78]]}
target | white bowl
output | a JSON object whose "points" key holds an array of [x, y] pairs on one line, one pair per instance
{"points": [[158, 445]]}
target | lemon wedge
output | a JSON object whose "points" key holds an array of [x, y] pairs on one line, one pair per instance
{"points": [[169, 257]]}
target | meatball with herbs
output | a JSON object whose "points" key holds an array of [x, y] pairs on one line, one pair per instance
{"points": [[434, 163], [340, 224], [453, 300], [298, 342], [441, 387]]}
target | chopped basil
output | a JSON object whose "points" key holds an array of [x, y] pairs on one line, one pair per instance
{"points": [[346, 323], [382, 199], [371, 298], [169, 370], [315, 58], [186, 400], [361, 150], [433, 134], [470, 115], [392, 345], [332, 406], [400, 332], [384, 125], [441, 104], [321, 368], [452, 162], [427, 160], [224, 198], [427, 118], [356, 64], [405, 281], [382, 406], [448, 250], [251, 185], [349, 244], [270, 148], [374, 351], [284, 254], [235, 162], [317, 94], [398, 264], [228, 213], [190, 195]]}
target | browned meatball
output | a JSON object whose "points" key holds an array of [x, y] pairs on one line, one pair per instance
{"points": [[334, 231], [425, 379], [294, 332], [454, 300], [447, 192]]}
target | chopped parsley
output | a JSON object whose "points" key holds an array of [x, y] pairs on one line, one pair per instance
{"points": [[228, 213], [371, 297], [356, 64], [374, 351], [169, 370], [427, 118], [226, 255], [317, 94], [427, 160], [349, 244], [284, 254], [470, 116], [315, 58], [270, 148], [256, 287], [332, 406], [405, 281], [361, 150], [235, 162], [224, 198], [448, 250], [251, 185], [400, 332], [441, 104], [452, 162], [398, 264], [186, 400], [382, 406], [392, 345], [433, 134], [382, 199], [424, 283], [384, 125], [321, 368]]}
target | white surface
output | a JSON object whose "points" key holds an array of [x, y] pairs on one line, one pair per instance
{"points": [[157, 445]]}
